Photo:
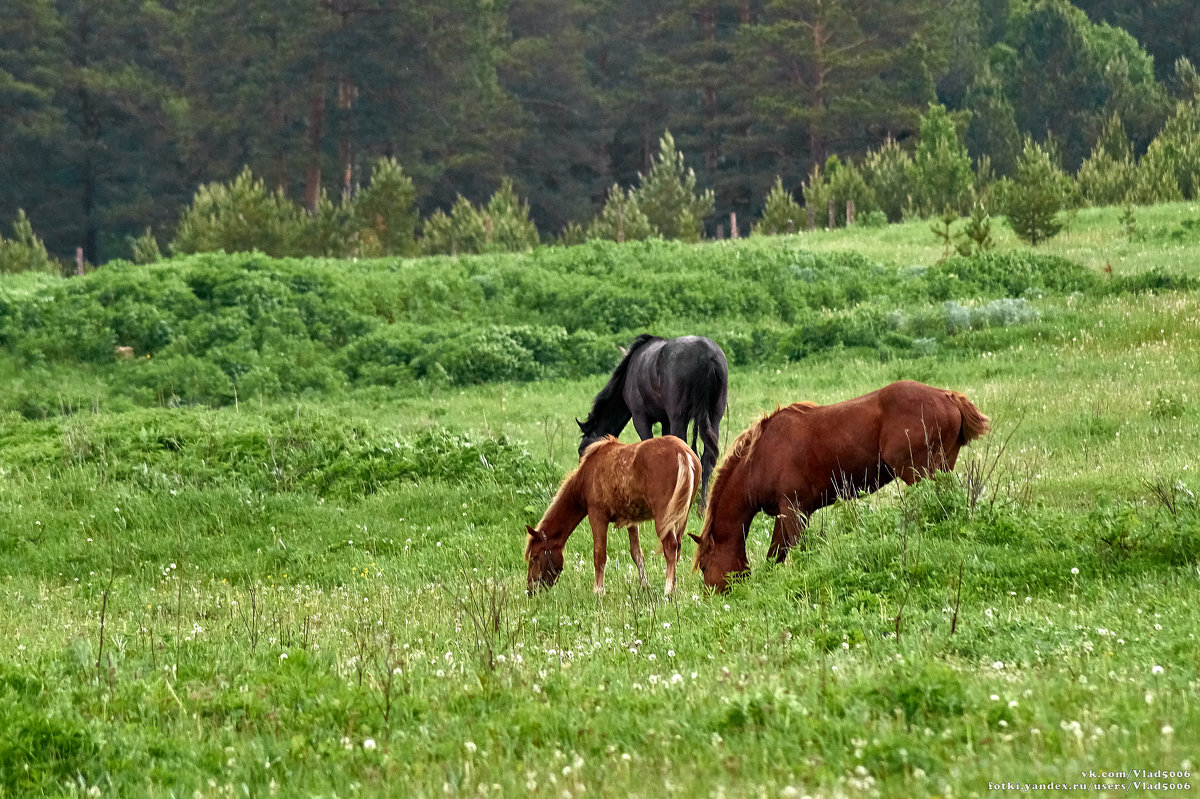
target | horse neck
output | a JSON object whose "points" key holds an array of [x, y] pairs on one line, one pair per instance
{"points": [[610, 414], [566, 511], [730, 506]]}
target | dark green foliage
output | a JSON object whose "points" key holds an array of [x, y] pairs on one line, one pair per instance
{"points": [[1066, 75]]}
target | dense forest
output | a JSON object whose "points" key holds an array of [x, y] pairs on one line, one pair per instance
{"points": [[113, 115]]}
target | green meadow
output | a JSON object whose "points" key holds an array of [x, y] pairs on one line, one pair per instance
{"points": [[279, 552]]}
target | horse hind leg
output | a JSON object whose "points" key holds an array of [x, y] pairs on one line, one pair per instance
{"points": [[635, 550], [599, 550], [670, 544], [708, 462]]}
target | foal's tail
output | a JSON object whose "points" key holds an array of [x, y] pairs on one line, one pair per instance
{"points": [[681, 498], [974, 423]]}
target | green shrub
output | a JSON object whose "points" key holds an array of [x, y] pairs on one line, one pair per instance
{"points": [[183, 380], [1010, 274]]}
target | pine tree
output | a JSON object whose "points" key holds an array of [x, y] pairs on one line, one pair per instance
{"points": [[621, 219], [239, 217], [503, 225], [667, 195], [887, 171], [24, 252], [1034, 200], [941, 172], [1109, 174], [385, 212], [781, 214], [839, 182], [506, 219]]}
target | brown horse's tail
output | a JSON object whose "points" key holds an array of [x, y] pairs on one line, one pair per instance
{"points": [[680, 503], [974, 423]]}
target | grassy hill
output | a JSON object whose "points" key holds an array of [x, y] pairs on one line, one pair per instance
{"points": [[283, 553]]}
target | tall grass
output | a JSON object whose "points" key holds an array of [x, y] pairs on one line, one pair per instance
{"points": [[324, 594]]}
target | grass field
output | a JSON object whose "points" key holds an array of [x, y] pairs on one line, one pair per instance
{"points": [[324, 595]]}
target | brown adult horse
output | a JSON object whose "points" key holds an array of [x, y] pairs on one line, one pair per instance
{"points": [[620, 484], [799, 459]]}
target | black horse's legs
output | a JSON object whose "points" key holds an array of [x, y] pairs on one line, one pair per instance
{"points": [[644, 426], [708, 462]]}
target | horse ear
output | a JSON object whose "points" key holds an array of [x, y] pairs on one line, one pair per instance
{"points": [[694, 537], [580, 426], [535, 533]]}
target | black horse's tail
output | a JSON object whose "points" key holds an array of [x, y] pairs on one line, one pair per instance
{"points": [[707, 406]]}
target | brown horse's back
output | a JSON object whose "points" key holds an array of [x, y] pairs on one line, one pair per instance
{"points": [[637, 482], [812, 454], [801, 458]]}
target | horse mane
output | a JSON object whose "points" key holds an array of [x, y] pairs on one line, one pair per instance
{"points": [[742, 449], [616, 383], [563, 488]]}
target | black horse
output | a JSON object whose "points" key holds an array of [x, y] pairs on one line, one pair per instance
{"points": [[674, 382]]}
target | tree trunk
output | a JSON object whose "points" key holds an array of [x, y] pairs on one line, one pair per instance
{"points": [[316, 132]]}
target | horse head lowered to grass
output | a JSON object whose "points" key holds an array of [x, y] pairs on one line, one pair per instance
{"points": [[798, 459], [620, 484], [678, 383]]}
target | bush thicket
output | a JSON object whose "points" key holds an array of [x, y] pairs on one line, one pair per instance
{"points": [[213, 329]]}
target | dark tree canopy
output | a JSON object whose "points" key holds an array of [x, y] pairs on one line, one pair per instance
{"points": [[113, 114]]}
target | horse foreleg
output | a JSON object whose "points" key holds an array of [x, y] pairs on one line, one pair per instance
{"points": [[599, 550], [644, 426], [787, 532], [635, 550]]}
